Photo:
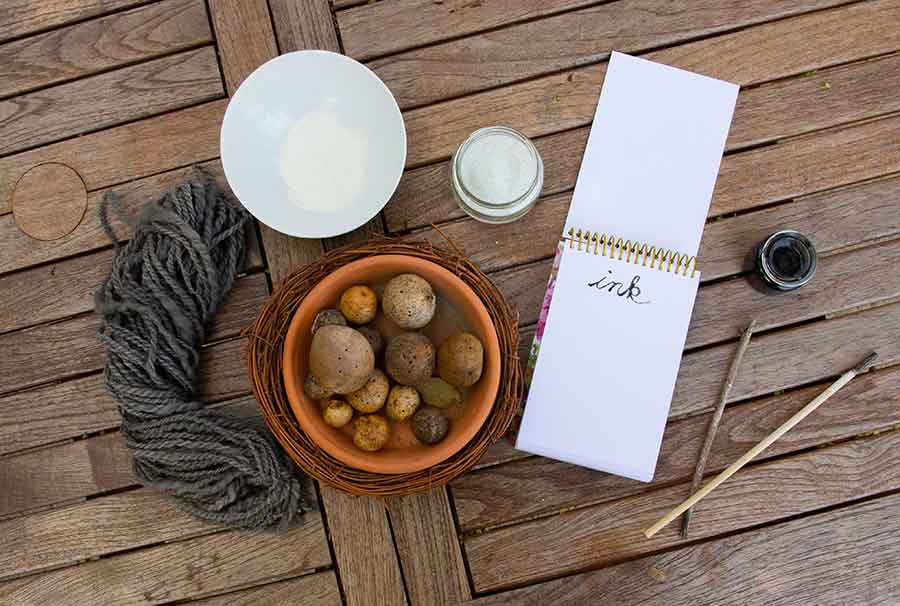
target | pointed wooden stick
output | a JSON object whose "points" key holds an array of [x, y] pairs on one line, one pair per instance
{"points": [[765, 443], [714, 421]]}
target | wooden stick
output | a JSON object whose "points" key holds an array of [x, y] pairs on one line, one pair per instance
{"points": [[765, 443], [714, 421]]}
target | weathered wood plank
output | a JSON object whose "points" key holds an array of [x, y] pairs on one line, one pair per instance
{"points": [[425, 21], [578, 38], [302, 25], [96, 102], [501, 494], [126, 152], [97, 527], [21, 17], [363, 548], [568, 100], [245, 42], [834, 219], [854, 566], [828, 347], [92, 46], [343, 4], [54, 413], [49, 352], [429, 550], [722, 309], [60, 290], [747, 180], [244, 37], [83, 468], [196, 567], [18, 251], [359, 528], [610, 532], [766, 113], [311, 590], [62, 474]]}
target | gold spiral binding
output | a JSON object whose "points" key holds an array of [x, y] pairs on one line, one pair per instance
{"points": [[638, 253]]}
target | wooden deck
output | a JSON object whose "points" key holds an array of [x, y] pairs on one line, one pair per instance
{"points": [[125, 95]]}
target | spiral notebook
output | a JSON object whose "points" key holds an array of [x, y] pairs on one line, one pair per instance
{"points": [[616, 312]]}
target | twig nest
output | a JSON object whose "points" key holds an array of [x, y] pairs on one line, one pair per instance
{"points": [[460, 359], [312, 388], [371, 432], [371, 396], [408, 301], [359, 304], [409, 358], [429, 425], [437, 392], [402, 402], [374, 337], [336, 413], [328, 317], [341, 359]]}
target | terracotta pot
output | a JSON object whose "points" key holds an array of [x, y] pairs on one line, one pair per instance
{"points": [[458, 307]]}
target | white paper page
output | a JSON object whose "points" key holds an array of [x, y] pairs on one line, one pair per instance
{"points": [[653, 154], [607, 366]]}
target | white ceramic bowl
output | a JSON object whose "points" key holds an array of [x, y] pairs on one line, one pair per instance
{"points": [[313, 144]]}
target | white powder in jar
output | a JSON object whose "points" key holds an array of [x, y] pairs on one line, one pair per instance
{"points": [[324, 162], [498, 168]]}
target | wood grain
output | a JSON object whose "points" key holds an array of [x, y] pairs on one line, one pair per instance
{"points": [[833, 343], [428, 547], [18, 251], [60, 290], [505, 493], [303, 25], [314, 590], [246, 25], [50, 352], [21, 17], [92, 46], [244, 37], [747, 57], [66, 473], [96, 102], [606, 533], [569, 40], [766, 113], [425, 21], [49, 201], [97, 527], [184, 569], [747, 180], [79, 469], [854, 566], [54, 413], [134, 150], [363, 548]]}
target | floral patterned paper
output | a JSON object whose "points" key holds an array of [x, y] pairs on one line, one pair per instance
{"points": [[536, 343]]}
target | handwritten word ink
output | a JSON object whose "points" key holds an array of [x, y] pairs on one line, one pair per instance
{"points": [[632, 292]]}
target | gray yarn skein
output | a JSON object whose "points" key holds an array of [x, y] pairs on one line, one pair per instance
{"points": [[165, 285]]}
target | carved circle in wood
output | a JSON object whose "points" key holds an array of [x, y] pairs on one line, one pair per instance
{"points": [[49, 201]]}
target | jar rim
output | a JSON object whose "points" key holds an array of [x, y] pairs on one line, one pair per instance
{"points": [[489, 130]]}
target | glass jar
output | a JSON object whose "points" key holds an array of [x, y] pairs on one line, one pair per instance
{"points": [[497, 174], [786, 260]]}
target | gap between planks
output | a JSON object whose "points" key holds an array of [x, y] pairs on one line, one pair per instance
{"points": [[607, 533]]}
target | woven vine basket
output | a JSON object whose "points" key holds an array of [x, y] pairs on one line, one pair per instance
{"points": [[264, 354]]}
